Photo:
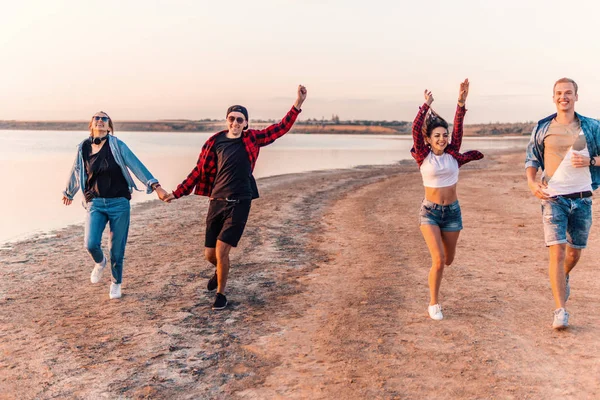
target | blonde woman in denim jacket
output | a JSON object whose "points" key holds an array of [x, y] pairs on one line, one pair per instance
{"points": [[101, 170]]}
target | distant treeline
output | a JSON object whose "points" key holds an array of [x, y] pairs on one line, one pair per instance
{"points": [[142, 126], [500, 129], [313, 126]]}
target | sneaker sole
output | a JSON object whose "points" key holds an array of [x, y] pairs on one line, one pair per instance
{"points": [[560, 328], [220, 308]]}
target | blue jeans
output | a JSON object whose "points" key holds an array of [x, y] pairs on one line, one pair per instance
{"points": [[116, 213], [448, 218], [567, 221]]}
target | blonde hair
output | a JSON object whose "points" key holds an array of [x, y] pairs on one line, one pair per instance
{"points": [[565, 80], [111, 128]]}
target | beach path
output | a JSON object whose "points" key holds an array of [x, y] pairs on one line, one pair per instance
{"points": [[328, 294]]}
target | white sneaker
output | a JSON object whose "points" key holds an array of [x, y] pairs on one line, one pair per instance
{"points": [[115, 291], [97, 271], [435, 312], [561, 319]]}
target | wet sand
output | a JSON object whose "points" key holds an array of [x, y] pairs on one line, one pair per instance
{"points": [[328, 297]]}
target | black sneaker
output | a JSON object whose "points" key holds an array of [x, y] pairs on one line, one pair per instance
{"points": [[220, 302], [212, 282]]}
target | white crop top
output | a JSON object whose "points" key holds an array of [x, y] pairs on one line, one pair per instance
{"points": [[439, 171]]}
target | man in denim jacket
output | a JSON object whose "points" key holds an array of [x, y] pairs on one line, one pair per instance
{"points": [[565, 146]]}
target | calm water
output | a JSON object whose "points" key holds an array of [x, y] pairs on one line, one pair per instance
{"points": [[34, 166]]}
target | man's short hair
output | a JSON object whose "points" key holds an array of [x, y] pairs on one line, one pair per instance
{"points": [[565, 80]]}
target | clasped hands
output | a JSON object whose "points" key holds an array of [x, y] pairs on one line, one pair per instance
{"points": [[164, 195]]}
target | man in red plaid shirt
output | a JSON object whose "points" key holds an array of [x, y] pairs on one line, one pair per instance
{"points": [[224, 174]]}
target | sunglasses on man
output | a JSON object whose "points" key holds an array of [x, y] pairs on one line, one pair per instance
{"points": [[239, 120], [98, 118]]}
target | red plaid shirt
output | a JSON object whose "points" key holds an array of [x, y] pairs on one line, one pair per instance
{"points": [[420, 150], [202, 177]]}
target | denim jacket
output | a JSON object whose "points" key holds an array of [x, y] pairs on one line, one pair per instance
{"points": [[535, 149], [124, 158]]}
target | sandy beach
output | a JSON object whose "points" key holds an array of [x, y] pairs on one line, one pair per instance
{"points": [[328, 299]]}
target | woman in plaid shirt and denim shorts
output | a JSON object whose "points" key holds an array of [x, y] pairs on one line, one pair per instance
{"points": [[439, 161]]}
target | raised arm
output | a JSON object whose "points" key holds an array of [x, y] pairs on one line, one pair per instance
{"points": [[271, 133], [420, 149], [459, 116]]}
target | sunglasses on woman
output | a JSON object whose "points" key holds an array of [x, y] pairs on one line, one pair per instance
{"points": [[239, 120], [98, 118]]}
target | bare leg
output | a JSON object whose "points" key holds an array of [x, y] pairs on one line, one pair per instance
{"points": [[450, 239], [210, 253], [557, 273], [433, 238], [571, 259], [222, 265]]}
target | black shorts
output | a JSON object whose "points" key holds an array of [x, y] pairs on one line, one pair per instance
{"points": [[225, 221]]}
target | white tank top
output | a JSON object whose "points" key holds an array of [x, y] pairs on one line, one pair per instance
{"points": [[568, 179], [439, 171]]}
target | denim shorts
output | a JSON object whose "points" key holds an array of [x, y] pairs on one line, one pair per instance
{"points": [[567, 221], [448, 218]]}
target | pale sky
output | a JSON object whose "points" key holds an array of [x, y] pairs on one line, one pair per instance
{"points": [[155, 59]]}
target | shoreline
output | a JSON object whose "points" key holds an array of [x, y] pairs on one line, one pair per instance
{"points": [[328, 295], [383, 129], [8, 243], [151, 203]]}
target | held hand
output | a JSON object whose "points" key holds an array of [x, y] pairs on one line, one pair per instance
{"points": [[463, 92], [537, 188], [66, 201], [428, 97], [301, 97], [162, 193], [168, 198], [579, 161]]}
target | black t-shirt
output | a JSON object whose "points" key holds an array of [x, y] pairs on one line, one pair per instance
{"points": [[104, 176], [234, 175]]}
